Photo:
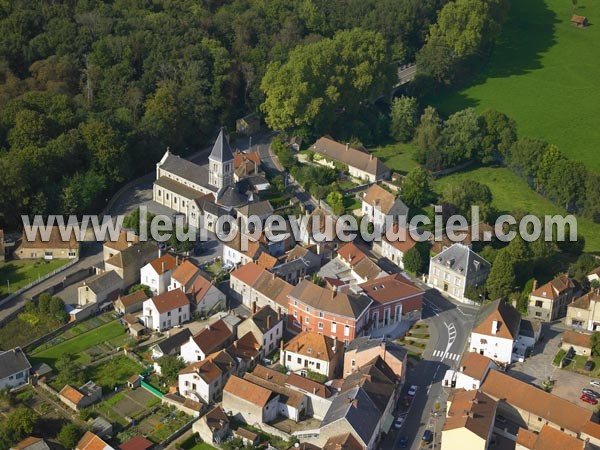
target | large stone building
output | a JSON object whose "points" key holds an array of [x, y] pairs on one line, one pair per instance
{"points": [[455, 269]]}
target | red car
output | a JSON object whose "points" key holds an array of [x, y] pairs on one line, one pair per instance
{"points": [[588, 399]]}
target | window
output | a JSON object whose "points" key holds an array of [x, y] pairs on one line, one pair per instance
{"points": [[295, 314], [306, 320], [179, 310], [318, 366], [539, 304], [347, 330], [353, 363], [320, 313], [320, 325], [159, 193], [174, 199], [299, 360], [169, 314], [307, 309], [333, 327]]}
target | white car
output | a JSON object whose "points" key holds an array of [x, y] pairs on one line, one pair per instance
{"points": [[595, 383], [412, 391], [398, 423]]}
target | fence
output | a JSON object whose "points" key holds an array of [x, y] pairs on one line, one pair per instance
{"points": [[152, 389], [48, 336], [178, 433], [38, 281]]}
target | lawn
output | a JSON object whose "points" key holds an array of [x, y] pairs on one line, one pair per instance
{"points": [[80, 343], [20, 273], [397, 156], [114, 372], [510, 193], [543, 73]]}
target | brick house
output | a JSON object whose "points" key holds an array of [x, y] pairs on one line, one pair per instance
{"points": [[395, 298], [364, 349], [329, 312]]}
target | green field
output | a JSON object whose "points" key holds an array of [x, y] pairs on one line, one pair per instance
{"points": [[397, 156], [19, 273], [80, 343], [510, 193], [543, 73]]}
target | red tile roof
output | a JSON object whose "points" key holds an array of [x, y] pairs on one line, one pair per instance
{"points": [[90, 441], [170, 300], [136, 443], [72, 394], [185, 272], [248, 391], [553, 289], [313, 345], [166, 262], [392, 288], [248, 273]]}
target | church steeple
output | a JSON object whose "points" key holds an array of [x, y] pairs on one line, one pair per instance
{"points": [[221, 163]]}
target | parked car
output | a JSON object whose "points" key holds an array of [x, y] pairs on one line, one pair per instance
{"points": [[589, 366], [412, 391], [427, 437], [595, 383], [588, 399], [590, 393], [403, 442], [398, 423]]}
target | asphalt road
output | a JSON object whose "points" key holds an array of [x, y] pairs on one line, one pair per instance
{"points": [[449, 327]]}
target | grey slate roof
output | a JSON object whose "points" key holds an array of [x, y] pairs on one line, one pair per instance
{"points": [[399, 208], [221, 151], [104, 281], [363, 416], [186, 169], [210, 207], [229, 196], [256, 209], [13, 361], [172, 344], [460, 259], [364, 343]]}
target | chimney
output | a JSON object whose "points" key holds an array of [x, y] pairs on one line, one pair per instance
{"points": [[159, 252], [534, 287], [281, 346], [371, 157], [268, 321], [162, 267], [254, 307], [176, 260], [355, 403], [278, 313], [494, 327], [462, 368], [314, 390]]}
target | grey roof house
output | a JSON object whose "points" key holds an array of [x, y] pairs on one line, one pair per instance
{"points": [[14, 369]]}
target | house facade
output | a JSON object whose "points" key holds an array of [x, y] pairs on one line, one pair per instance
{"points": [[47, 246], [313, 352], [381, 206], [319, 310], [364, 349], [157, 273], [14, 369], [550, 301], [166, 310], [455, 269], [266, 325], [495, 332], [584, 313]]}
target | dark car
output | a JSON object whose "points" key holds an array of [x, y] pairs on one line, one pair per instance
{"points": [[589, 366], [427, 437], [590, 393], [403, 442]]}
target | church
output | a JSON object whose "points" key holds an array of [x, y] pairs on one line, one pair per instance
{"points": [[203, 193]]}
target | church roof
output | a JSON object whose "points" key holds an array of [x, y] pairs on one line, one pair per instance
{"points": [[221, 151]]}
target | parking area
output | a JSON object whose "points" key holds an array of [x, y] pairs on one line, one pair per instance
{"points": [[539, 367]]}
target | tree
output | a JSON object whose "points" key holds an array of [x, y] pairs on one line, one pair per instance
{"points": [[584, 265], [336, 201], [501, 281], [16, 425], [416, 259], [69, 435], [322, 83], [141, 287], [595, 341], [69, 372], [404, 118], [416, 187], [428, 138], [468, 193], [462, 136], [499, 134], [170, 367], [56, 309]]}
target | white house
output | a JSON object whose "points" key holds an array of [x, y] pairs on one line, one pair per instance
{"points": [[377, 204], [166, 310], [496, 331], [203, 381], [157, 273], [314, 352], [183, 276], [14, 369], [395, 248], [214, 337], [470, 373]]}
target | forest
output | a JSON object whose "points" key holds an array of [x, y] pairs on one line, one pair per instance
{"points": [[92, 92]]}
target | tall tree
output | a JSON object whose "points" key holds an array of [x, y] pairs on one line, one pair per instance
{"points": [[404, 116]]}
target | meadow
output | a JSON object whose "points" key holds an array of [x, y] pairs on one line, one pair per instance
{"points": [[544, 74]]}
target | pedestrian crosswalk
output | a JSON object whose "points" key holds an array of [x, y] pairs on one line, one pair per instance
{"points": [[446, 355]]}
